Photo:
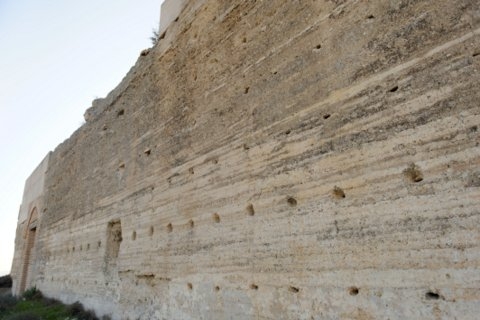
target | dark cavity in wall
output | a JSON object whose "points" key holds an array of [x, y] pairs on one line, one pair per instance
{"points": [[114, 239], [338, 192], [430, 295], [250, 210], [293, 289], [353, 291], [292, 201], [413, 173], [394, 89]]}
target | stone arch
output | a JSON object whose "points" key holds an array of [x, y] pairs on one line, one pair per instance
{"points": [[29, 242]]}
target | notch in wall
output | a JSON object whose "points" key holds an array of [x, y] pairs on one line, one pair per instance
{"points": [[293, 289], [114, 238], [353, 291], [432, 295], [413, 173], [250, 210], [393, 89], [292, 202], [338, 193]]}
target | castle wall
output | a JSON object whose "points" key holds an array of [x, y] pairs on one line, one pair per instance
{"points": [[32, 204], [170, 11], [278, 160]]}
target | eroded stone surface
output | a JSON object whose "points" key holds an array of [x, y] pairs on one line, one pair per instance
{"points": [[278, 160]]}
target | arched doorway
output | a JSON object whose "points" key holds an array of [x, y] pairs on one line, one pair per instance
{"points": [[29, 238]]}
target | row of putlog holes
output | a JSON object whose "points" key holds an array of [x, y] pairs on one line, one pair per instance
{"points": [[353, 291], [147, 151], [412, 173]]}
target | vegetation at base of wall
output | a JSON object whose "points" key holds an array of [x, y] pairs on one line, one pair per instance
{"points": [[34, 306]]}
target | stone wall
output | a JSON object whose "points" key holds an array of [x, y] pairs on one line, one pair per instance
{"points": [[278, 160], [30, 210]]}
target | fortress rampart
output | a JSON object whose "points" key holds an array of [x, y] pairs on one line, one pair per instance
{"points": [[273, 160]]}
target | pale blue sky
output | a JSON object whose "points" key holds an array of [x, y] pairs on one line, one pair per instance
{"points": [[56, 56]]}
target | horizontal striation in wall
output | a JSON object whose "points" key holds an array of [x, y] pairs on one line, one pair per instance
{"points": [[279, 160]]}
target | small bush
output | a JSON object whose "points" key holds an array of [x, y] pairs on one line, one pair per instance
{"points": [[154, 37], [32, 294], [78, 311], [23, 316], [34, 306], [7, 302], [75, 308], [49, 302]]}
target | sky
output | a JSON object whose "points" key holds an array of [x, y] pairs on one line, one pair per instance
{"points": [[57, 56]]}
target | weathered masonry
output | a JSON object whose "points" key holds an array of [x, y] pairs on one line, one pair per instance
{"points": [[273, 160]]}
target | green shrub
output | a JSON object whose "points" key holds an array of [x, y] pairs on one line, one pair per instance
{"points": [[78, 311], [34, 306], [7, 302], [23, 316], [48, 302], [32, 294]]}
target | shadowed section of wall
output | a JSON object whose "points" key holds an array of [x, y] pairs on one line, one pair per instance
{"points": [[278, 160], [32, 208]]}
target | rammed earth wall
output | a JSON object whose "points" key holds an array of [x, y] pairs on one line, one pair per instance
{"points": [[275, 160]]}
